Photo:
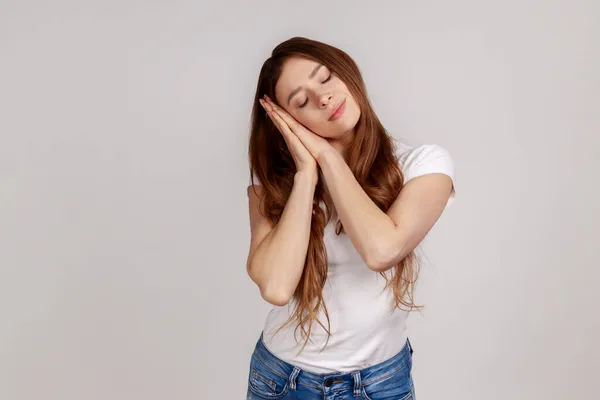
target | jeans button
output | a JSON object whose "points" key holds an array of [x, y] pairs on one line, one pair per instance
{"points": [[328, 383]]}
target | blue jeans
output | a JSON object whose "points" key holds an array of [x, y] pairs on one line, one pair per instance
{"points": [[271, 378]]}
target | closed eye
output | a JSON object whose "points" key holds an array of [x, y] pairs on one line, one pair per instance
{"points": [[325, 81]]}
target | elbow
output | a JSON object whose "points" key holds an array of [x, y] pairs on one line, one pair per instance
{"points": [[381, 259], [275, 297], [379, 266], [270, 292]]}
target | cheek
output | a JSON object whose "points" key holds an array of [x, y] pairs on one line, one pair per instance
{"points": [[355, 109], [307, 119]]}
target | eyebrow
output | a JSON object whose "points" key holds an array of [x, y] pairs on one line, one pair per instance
{"points": [[295, 91]]}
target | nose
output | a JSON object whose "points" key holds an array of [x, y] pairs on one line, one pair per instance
{"points": [[324, 99]]}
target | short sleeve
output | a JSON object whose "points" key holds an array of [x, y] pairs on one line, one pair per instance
{"points": [[256, 181], [427, 159]]}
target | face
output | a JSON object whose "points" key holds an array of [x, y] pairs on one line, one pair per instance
{"points": [[317, 98]]}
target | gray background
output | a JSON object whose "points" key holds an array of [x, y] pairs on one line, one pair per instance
{"points": [[123, 170]]}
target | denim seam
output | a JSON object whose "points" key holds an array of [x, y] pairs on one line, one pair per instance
{"points": [[379, 379], [357, 383], [309, 385], [257, 392], [407, 397], [269, 368], [293, 378], [264, 379], [285, 377]]}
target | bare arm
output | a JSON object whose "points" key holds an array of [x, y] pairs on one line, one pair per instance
{"points": [[278, 253], [384, 239]]}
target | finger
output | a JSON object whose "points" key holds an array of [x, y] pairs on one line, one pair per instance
{"points": [[286, 138], [270, 103], [270, 111], [294, 126], [280, 122], [273, 105], [290, 121], [285, 130], [291, 140], [285, 119], [267, 104], [288, 134], [263, 104]]}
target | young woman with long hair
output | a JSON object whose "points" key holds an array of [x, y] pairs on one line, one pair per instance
{"points": [[337, 207]]}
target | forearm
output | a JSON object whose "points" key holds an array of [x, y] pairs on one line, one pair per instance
{"points": [[278, 262], [367, 226]]}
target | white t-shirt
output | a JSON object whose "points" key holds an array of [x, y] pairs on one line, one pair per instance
{"points": [[365, 327]]}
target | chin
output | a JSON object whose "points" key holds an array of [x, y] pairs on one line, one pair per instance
{"points": [[337, 134], [348, 124], [339, 131]]}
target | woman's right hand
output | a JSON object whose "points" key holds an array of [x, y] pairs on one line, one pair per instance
{"points": [[305, 162]]}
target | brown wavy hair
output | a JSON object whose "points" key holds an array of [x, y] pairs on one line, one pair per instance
{"points": [[371, 156]]}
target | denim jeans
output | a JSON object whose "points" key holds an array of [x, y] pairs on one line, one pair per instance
{"points": [[271, 378]]}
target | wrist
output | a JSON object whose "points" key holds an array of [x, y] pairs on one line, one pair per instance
{"points": [[307, 176], [326, 155]]}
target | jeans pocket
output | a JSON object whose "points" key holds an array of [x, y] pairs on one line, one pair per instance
{"points": [[394, 384], [388, 394], [265, 383]]}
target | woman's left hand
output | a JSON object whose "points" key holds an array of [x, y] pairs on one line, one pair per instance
{"points": [[314, 143]]}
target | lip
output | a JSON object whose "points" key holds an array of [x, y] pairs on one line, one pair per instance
{"points": [[338, 111]]}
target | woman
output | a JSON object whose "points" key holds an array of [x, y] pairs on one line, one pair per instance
{"points": [[336, 211]]}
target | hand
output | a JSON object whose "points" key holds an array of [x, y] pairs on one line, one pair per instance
{"points": [[314, 143], [303, 159]]}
